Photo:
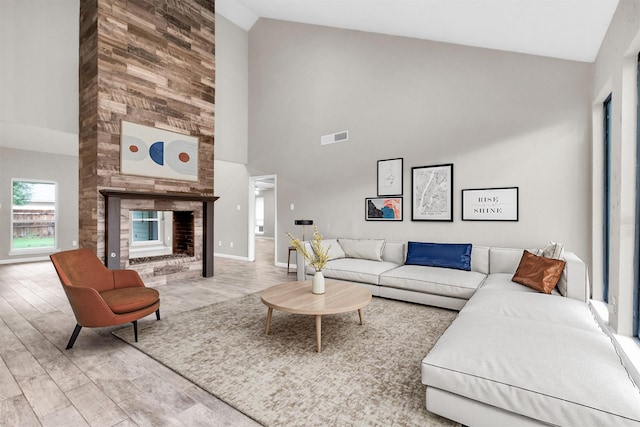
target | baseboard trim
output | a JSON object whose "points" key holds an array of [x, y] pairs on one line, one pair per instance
{"points": [[24, 260], [292, 267], [236, 257]]}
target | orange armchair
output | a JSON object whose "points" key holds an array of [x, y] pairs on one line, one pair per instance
{"points": [[101, 297]]}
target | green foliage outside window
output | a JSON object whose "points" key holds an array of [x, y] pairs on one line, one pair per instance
{"points": [[22, 192]]}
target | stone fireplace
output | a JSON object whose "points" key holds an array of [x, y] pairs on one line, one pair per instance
{"points": [[192, 223], [153, 64]]}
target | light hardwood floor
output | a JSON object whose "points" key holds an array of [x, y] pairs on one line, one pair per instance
{"points": [[102, 381]]}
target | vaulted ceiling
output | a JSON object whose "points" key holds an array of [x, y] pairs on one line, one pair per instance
{"points": [[566, 29]]}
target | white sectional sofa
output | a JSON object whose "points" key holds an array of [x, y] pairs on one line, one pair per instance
{"points": [[513, 356]]}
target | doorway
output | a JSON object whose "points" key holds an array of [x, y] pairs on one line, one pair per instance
{"points": [[263, 216]]}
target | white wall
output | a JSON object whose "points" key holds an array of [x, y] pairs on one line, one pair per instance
{"points": [[615, 73], [232, 97], [502, 119], [39, 75], [31, 165], [231, 179], [39, 108], [231, 227]]}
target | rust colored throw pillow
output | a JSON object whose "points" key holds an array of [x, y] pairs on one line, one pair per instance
{"points": [[539, 273]]}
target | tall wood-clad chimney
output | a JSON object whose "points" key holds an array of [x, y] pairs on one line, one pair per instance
{"points": [[150, 63]]}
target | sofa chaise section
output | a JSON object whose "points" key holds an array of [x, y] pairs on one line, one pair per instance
{"points": [[529, 358]]}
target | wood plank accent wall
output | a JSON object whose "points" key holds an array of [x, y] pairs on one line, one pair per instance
{"points": [[150, 62]]}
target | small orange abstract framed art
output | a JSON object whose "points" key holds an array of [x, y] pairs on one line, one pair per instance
{"points": [[383, 208]]}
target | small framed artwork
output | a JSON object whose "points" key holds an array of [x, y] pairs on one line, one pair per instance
{"points": [[383, 208], [390, 177], [490, 204], [432, 193]]}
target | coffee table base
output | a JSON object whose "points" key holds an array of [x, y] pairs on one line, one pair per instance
{"points": [[298, 298], [318, 326]]}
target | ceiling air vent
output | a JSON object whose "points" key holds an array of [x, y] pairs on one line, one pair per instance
{"points": [[334, 137]]}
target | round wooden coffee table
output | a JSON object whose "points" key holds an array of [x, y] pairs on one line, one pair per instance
{"points": [[296, 297]]}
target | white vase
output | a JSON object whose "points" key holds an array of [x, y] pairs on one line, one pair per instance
{"points": [[318, 283]]}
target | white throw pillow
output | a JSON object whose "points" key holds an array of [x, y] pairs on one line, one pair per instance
{"points": [[335, 251], [394, 252], [363, 248], [552, 250]]}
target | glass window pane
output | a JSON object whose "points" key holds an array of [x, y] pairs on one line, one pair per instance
{"points": [[33, 215], [606, 208], [145, 226], [636, 288], [145, 231]]}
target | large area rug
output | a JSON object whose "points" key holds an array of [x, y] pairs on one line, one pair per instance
{"points": [[365, 375]]}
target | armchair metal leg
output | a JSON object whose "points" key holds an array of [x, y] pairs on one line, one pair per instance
{"points": [[135, 330], [74, 336], [158, 314]]}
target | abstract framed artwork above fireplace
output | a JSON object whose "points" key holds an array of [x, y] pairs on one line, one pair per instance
{"points": [[157, 153]]}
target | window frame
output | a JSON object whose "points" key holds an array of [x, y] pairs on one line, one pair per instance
{"points": [[40, 249], [636, 255], [606, 192], [163, 245], [159, 220]]}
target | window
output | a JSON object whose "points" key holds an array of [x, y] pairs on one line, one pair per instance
{"points": [[33, 215], [259, 215], [145, 226], [606, 191], [151, 233], [636, 289]]}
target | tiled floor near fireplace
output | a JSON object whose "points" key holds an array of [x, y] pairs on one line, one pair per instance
{"points": [[102, 381]]}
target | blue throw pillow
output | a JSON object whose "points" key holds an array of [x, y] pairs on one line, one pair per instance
{"points": [[448, 255]]}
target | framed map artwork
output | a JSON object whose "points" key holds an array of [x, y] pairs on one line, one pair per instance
{"points": [[432, 193]]}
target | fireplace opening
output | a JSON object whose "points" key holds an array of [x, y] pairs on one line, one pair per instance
{"points": [[160, 234], [183, 234]]}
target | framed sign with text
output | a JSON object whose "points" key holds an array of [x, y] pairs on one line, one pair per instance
{"points": [[490, 204]]}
